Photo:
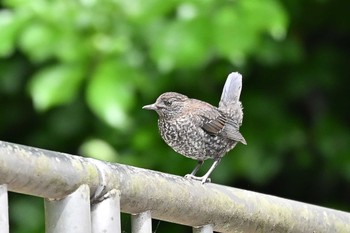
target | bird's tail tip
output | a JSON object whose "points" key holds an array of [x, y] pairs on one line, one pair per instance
{"points": [[232, 88], [235, 75]]}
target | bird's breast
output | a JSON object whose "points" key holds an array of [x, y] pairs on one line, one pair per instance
{"points": [[183, 137], [186, 138]]}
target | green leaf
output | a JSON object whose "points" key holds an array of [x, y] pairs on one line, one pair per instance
{"points": [[55, 85], [71, 48], [232, 37], [39, 40], [181, 44], [99, 149], [109, 93], [9, 24], [266, 15], [238, 29], [143, 11]]}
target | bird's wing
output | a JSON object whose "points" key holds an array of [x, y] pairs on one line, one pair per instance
{"points": [[214, 121], [231, 132], [217, 123]]}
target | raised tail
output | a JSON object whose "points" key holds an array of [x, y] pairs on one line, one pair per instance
{"points": [[230, 104], [232, 90]]}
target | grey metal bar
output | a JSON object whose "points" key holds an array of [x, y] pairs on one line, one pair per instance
{"points": [[70, 214], [105, 214], [142, 222], [203, 229], [4, 216], [171, 198], [44, 173]]}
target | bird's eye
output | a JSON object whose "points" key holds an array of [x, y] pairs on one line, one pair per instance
{"points": [[167, 102]]}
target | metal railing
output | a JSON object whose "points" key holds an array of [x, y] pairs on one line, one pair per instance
{"points": [[87, 195]]}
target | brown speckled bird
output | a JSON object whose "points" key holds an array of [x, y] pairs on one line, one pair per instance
{"points": [[199, 130]]}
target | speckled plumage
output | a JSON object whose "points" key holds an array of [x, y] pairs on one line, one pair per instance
{"points": [[199, 130]]}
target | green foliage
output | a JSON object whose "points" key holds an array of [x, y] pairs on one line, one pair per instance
{"points": [[26, 214], [110, 94], [55, 85], [75, 74]]}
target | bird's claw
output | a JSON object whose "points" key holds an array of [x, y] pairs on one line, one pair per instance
{"points": [[202, 179]]}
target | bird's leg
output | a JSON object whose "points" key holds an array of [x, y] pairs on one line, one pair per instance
{"points": [[211, 169], [195, 170], [204, 178]]}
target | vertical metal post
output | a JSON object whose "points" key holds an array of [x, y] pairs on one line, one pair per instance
{"points": [[203, 229], [105, 215], [4, 214], [141, 223], [70, 214]]}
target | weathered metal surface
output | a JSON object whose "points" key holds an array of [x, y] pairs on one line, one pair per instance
{"points": [[203, 229], [44, 173], [4, 214], [105, 214], [141, 222], [70, 214], [168, 197]]}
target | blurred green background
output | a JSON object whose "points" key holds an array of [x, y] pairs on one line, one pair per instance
{"points": [[75, 74]]}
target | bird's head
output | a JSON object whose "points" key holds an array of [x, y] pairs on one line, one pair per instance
{"points": [[168, 105]]}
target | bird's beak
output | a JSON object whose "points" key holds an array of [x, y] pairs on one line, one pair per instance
{"points": [[150, 107]]}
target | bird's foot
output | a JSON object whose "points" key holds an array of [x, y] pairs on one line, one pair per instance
{"points": [[202, 179]]}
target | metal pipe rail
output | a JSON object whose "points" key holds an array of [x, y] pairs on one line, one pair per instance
{"points": [[87, 195]]}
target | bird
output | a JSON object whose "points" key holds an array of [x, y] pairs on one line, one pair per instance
{"points": [[199, 130]]}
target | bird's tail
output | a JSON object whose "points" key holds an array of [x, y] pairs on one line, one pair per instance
{"points": [[232, 90]]}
